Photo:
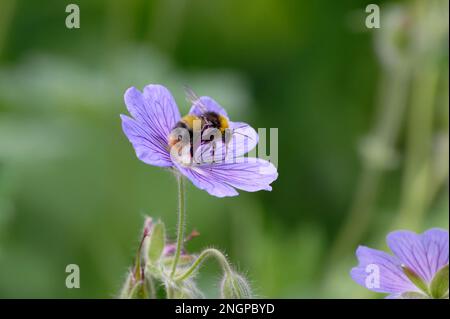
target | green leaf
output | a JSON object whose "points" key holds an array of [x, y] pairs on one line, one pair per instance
{"points": [[415, 279], [156, 243], [439, 284]]}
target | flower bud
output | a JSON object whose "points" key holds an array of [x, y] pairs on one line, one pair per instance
{"points": [[139, 291], [154, 243], [127, 286], [235, 286], [187, 290]]}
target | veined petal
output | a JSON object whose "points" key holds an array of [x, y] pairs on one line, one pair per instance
{"points": [[161, 107], [435, 241], [205, 181], [155, 110], [244, 139], [206, 104], [220, 179], [380, 272], [425, 254], [148, 149]]}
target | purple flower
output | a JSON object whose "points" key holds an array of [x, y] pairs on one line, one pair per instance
{"points": [[418, 268], [219, 167]]}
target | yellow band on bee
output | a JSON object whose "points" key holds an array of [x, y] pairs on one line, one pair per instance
{"points": [[223, 123], [189, 120]]}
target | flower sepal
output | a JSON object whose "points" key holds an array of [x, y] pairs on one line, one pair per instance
{"points": [[415, 279], [439, 284]]}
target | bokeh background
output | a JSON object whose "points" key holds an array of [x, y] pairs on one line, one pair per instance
{"points": [[363, 136]]}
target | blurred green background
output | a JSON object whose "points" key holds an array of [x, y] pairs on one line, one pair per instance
{"points": [[362, 147]]}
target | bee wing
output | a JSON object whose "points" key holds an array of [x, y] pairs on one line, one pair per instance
{"points": [[193, 98]]}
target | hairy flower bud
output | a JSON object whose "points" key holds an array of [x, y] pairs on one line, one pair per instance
{"points": [[187, 290], [154, 243], [127, 286], [235, 286], [139, 291]]}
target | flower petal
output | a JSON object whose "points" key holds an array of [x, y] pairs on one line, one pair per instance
{"points": [[220, 179], [435, 241], [244, 139], [148, 149], [161, 107], [204, 181], [394, 296], [374, 262], [425, 254], [206, 104], [155, 110]]}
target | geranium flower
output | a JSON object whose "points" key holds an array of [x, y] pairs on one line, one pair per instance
{"points": [[418, 268], [218, 167]]}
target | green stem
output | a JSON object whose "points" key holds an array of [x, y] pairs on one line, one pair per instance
{"points": [[210, 252], [181, 222]]}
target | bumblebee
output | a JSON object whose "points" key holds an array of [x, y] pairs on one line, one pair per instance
{"points": [[206, 121]]}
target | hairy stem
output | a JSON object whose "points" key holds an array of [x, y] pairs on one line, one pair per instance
{"points": [[181, 222], [210, 252]]}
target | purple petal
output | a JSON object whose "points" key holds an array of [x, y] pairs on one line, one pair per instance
{"points": [[394, 296], [203, 180], [161, 107], [391, 277], [244, 139], [220, 179], [148, 149], [425, 254], [207, 104], [435, 242], [155, 114], [155, 108]]}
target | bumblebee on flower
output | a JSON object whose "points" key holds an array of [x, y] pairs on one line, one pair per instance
{"points": [[205, 145]]}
